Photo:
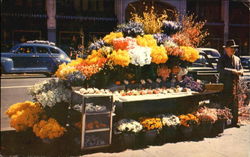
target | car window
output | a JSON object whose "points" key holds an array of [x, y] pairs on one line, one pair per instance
{"points": [[42, 50], [25, 49], [53, 50]]}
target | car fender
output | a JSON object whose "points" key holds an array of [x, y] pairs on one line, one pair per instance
{"points": [[7, 64]]}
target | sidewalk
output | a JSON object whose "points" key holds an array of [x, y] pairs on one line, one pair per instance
{"points": [[234, 142]]}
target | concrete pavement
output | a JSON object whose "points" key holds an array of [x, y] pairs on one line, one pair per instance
{"points": [[234, 142], [13, 90]]}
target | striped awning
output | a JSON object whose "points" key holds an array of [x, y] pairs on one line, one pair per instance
{"points": [[24, 15]]}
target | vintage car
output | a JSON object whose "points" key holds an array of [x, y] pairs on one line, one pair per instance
{"points": [[245, 61], [33, 57]]}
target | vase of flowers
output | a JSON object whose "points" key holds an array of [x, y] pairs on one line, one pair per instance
{"points": [[127, 131], [170, 124], [207, 117], [187, 123], [151, 129]]}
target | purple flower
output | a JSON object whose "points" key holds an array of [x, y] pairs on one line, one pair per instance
{"points": [[131, 29], [96, 45], [171, 27], [161, 38]]}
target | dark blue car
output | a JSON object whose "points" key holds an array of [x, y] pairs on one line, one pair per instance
{"points": [[33, 57]]}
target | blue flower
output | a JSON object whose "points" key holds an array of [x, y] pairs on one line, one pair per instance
{"points": [[96, 45], [131, 29], [76, 78], [161, 38], [171, 27]]}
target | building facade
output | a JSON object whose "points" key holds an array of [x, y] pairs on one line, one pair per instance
{"points": [[73, 22]]}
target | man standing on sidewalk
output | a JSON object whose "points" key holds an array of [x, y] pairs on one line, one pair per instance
{"points": [[230, 69]]}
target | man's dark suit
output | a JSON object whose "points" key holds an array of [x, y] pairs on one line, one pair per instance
{"points": [[230, 81]]}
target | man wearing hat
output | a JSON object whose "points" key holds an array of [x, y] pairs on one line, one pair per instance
{"points": [[230, 69]]}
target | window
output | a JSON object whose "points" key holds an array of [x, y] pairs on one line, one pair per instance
{"points": [[42, 50], [25, 49], [53, 50], [201, 62]]}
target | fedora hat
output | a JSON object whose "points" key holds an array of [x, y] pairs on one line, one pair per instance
{"points": [[230, 43]]}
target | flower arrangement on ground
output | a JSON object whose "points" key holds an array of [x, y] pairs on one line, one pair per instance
{"points": [[151, 123], [127, 126], [48, 129], [170, 120], [206, 115], [188, 120], [24, 115], [224, 114]]}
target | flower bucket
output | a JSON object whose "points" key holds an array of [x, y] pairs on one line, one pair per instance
{"points": [[170, 134], [127, 140], [48, 141], [218, 127], [204, 129], [150, 136], [186, 132]]}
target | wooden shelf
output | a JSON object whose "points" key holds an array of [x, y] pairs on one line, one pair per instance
{"points": [[97, 113], [97, 130]]}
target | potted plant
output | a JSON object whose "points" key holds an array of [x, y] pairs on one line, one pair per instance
{"points": [[151, 129], [187, 123], [127, 131], [223, 116], [207, 117], [170, 123]]}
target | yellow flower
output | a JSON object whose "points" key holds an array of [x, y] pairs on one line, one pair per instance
{"points": [[190, 54], [120, 57], [151, 123], [65, 69], [48, 129], [159, 55], [147, 40], [113, 35], [23, 115]]}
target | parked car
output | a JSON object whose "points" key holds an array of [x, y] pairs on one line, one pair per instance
{"points": [[213, 54], [33, 57], [245, 61], [205, 68]]}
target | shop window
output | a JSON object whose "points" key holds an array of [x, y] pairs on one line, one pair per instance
{"points": [[25, 49]]}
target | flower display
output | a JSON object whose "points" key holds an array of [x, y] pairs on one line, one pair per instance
{"points": [[24, 115], [50, 92], [131, 29], [147, 40], [95, 125], [64, 70], [188, 120], [96, 45], [189, 82], [76, 78], [190, 54], [140, 56], [171, 27], [159, 55], [151, 123], [88, 70], [163, 71], [224, 114], [170, 120], [127, 126], [124, 43], [161, 38], [113, 35], [120, 57], [95, 108], [181, 39], [206, 115], [48, 129]]}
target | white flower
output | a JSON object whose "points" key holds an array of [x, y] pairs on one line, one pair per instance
{"points": [[140, 55], [170, 120], [128, 125]]}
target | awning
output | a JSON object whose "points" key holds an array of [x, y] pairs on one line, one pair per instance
{"points": [[86, 18], [24, 15]]}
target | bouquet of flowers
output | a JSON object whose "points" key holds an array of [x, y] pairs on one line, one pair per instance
{"points": [[132, 29], [24, 115], [76, 78], [124, 43], [171, 27], [127, 126], [189, 82], [188, 120], [96, 45], [206, 115], [151, 123], [224, 114], [161, 38], [170, 120], [50, 92]]}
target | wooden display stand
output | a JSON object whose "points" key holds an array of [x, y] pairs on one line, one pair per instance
{"points": [[96, 125]]}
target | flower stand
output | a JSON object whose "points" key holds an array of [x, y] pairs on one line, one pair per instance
{"points": [[170, 134], [204, 129], [127, 140]]}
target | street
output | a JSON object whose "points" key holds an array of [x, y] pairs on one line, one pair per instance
{"points": [[13, 90]]}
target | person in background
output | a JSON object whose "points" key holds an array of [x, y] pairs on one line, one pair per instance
{"points": [[230, 69]]}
